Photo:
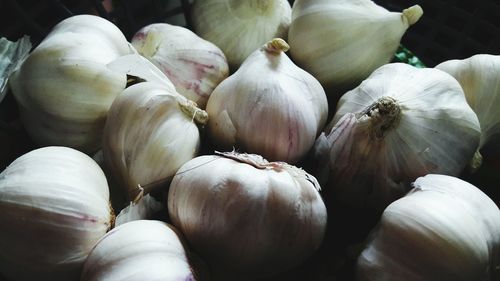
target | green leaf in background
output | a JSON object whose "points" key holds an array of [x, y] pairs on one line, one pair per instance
{"points": [[406, 56]]}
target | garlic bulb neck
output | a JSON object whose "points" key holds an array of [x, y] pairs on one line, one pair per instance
{"points": [[412, 14], [384, 115], [276, 46], [191, 109]]}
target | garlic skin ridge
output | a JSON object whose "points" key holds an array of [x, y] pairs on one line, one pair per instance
{"points": [[399, 124], [137, 251], [329, 39], [239, 27], [269, 106], [149, 133], [245, 216], [64, 88], [195, 66], [54, 206], [443, 229], [479, 77]]}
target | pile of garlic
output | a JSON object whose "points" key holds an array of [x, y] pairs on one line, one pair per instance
{"points": [[195, 135]]}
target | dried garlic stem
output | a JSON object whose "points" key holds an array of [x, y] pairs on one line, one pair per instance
{"points": [[412, 14], [277, 45], [384, 115], [191, 109]]}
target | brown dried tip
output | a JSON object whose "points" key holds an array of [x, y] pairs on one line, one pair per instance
{"points": [[277, 45]]}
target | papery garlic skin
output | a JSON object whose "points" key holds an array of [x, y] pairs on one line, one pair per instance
{"points": [[269, 107], [342, 42], [64, 88], [444, 229], [54, 206], [245, 216], [399, 124], [137, 251], [195, 66], [239, 27], [150, 132], [479, 77]]}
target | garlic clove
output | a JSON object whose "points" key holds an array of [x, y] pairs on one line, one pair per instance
{"points": [[137, 251], [193, 64], [444, 229], [239, 27], [245, 216], [479, 77], [54, 206], [269, 107], [150, 132], [400, 123], [329, 39]]}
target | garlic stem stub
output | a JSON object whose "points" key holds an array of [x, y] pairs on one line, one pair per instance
{"points": [[150, 132], [195, 66], [245, 216], [342, 42], [479, 77], [54, 206], [399, 124], [64, 88], [239, 27], [138, 251], [269, 106], [443, 229]]}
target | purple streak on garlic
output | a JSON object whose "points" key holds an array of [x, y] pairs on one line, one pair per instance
{"points": [[194, 65], [269, 107]]}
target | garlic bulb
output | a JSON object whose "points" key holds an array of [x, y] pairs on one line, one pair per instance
{"points": [[54, 206], [400, 123], [444, 229], [64, 88], [342, 42], [138, 251], [245, 216], [194, 65], [479, 77], [150, 132], [239, 27], [269, 107]]}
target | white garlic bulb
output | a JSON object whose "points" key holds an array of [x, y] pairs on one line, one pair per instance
{"points": [[444, 229], [269, 107], [479, 77], [245, 216], [341, 42], [150, 132], [399, 124], [239, 27], [138, 251], [195, 66], [54, 206], [64, 89]]}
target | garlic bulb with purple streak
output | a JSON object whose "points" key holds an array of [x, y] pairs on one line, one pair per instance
{"points": [[399, 124], [195, 66], [54, 206], [139, 251], [245, 216], [269, 107], [443, 229]]}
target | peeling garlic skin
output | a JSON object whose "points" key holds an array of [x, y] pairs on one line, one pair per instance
{"points": [[195, 66], [54, 206], [245, 219]]}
